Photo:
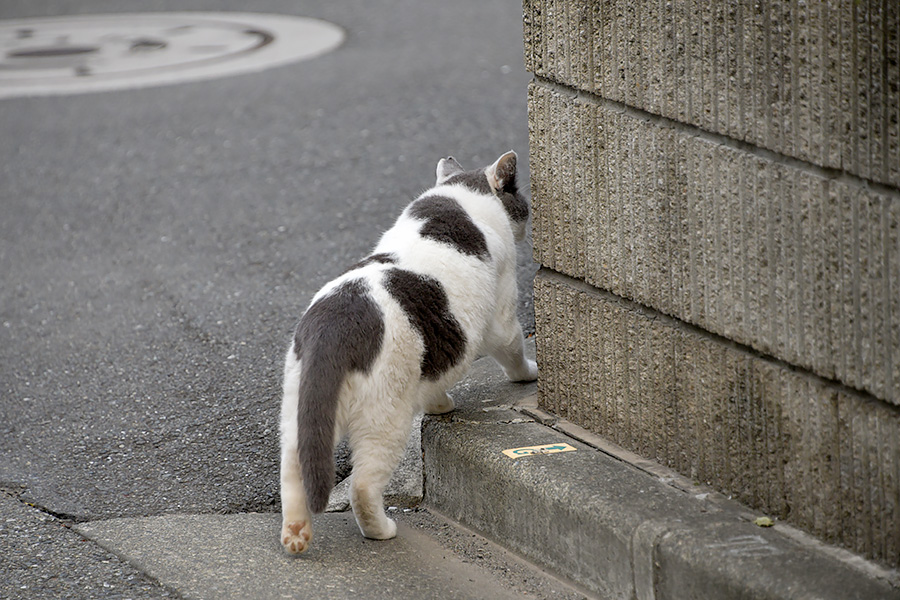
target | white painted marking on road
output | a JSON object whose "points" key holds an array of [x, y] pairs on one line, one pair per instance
{"points": [[93, 53]]}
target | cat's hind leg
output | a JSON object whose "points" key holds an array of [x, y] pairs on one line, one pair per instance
{"points": [[296, 522], [377, 446]]}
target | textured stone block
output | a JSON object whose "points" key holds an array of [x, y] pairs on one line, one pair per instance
{"points": [[792, 445], [816, 81], [779, 257]]}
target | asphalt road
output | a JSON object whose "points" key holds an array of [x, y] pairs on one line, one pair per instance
{"points": [[158, 245]]}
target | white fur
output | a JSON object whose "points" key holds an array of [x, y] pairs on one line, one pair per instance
{"points": [[376, 410]]}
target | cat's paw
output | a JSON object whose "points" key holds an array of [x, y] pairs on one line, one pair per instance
{"points": [[528, 373], [440, 405], [385, 531], [295, 536]]}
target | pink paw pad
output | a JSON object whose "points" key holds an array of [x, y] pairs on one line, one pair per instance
{"points": [[295, 537]]}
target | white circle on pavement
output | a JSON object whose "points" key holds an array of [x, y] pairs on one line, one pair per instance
{"points": [[93, 53]]}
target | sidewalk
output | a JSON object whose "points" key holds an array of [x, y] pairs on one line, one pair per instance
{"points": [[238, 556]]}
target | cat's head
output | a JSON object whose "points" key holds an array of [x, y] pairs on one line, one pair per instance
{"points": [[498, 179]]}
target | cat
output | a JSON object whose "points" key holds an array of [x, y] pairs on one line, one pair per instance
{"points": [[388, 338]]}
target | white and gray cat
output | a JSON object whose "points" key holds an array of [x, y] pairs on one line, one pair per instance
{"points": [[390, 336]]}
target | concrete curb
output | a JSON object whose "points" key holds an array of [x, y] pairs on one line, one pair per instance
{"points": [[621, 526]]}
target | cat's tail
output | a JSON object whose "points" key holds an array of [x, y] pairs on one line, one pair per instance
{"points": [[316, 412], [339, 334]]}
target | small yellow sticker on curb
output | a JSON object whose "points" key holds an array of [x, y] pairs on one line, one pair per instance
{"points": [[531, 450]]}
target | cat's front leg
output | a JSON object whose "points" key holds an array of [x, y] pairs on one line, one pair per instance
{"points": [[509, 351], [526, 371]]}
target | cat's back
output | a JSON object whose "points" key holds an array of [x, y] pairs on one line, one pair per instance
{"points": [[438, 273]]}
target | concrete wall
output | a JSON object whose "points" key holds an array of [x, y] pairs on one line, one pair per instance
{"points": [[717, 214]]}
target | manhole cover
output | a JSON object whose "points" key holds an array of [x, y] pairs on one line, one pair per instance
{"points": [[64, 55]]}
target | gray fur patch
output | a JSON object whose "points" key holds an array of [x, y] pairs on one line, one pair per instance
{"points": [[425, 303], [447, 222], [474, 180], [515, 205]]}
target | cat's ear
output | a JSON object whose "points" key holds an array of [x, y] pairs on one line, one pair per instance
{"points": [[502, 174], [447, 168]]}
